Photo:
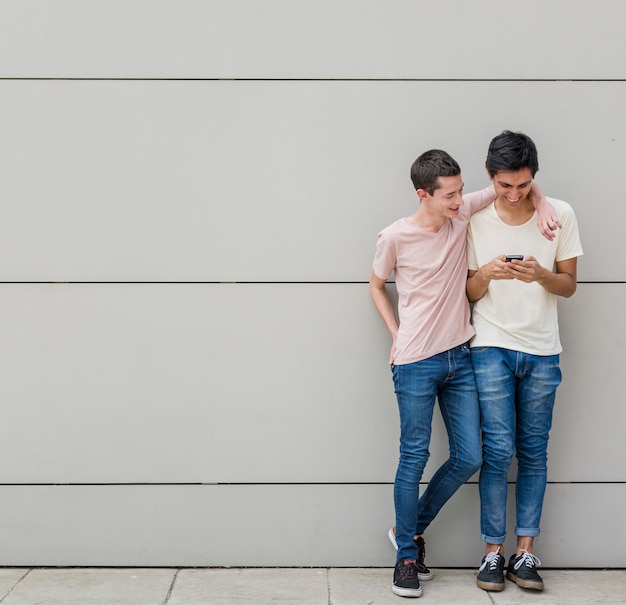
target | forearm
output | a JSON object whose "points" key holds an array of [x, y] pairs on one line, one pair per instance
{"points": [[538, 198], [547, 220], [560, 284], [384, 307], [477, 285]]}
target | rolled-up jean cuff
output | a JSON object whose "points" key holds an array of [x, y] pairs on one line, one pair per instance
{"points": [[490, 540], [526, 532]]}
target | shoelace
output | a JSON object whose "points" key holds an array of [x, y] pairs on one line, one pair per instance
{"points": [[408, 571], [527, 558], [492, 560]]}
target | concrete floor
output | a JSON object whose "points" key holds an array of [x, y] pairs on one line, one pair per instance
{"points": [[319, 586]]}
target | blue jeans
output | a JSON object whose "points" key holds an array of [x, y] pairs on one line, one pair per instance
{"points": [[516, 392], [449, 378]]}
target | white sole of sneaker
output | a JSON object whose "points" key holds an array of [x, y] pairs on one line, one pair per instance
{"points": [[406, 592], [392, 538]]}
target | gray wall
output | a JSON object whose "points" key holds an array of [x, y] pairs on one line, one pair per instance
{"points": [[192, 370]]}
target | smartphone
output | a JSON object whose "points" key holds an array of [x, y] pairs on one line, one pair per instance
{"points": [[510, 257]]}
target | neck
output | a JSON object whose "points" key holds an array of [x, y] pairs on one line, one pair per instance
{"points": [[427, 220], [514, 215]]}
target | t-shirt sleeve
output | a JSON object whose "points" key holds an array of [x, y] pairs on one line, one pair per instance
{"points": [[472, 263], [478, 200], [385, 257], [569, 245]]}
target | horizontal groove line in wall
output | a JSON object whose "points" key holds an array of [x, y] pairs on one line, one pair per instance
{"points": [[224, 79], [191, 484], [271, 483], [127, 484]]}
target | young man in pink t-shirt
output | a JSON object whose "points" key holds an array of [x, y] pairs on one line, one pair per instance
{"points": [[430, 356]]}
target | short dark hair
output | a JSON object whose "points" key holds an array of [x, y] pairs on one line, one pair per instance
{"points": [[512, 151], [429, 166]]}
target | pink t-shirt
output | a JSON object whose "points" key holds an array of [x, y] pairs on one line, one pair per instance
{"points": [[430, 275]]}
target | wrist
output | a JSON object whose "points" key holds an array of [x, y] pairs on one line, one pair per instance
{"points": [[483, 276], [544, 276]]}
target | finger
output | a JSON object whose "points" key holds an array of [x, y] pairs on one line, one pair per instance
{"points": [[550, 229], [554, 224]]}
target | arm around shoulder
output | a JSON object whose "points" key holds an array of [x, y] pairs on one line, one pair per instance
{"points": [[547, 219], [477, 200]]}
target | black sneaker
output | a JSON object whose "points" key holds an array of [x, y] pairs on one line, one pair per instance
{"points": [[405, 580], [491, 572], [423, 572], [522, 570]]}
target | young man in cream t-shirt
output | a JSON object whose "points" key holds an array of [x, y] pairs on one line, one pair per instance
{"points": [[515, 352]]}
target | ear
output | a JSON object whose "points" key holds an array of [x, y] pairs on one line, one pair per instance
{"points": [[488, 175], [422, 194]]}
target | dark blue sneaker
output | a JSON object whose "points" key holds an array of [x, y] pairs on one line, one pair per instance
{"points": [[491, 572], [523, 571], [405, 580]]}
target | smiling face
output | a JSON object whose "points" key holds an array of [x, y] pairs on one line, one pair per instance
{"points": [[513, 187], [447, 199]]}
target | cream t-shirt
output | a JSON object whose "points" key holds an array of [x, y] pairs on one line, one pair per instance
{"points": [[513, 314]]}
